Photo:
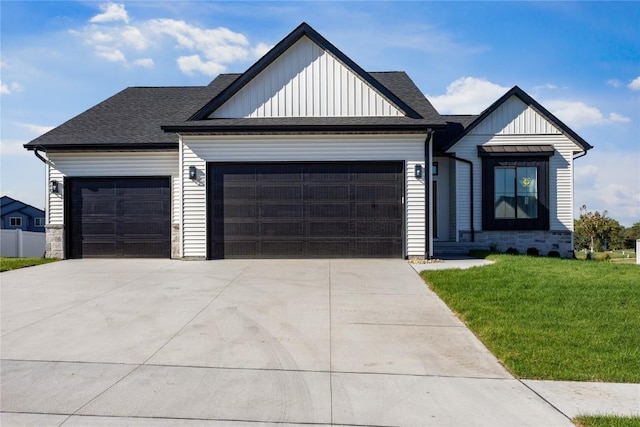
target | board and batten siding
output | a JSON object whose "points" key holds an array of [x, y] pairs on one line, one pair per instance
{"points": [[526, 127], [197, 151], [307, 81], [110, 164]]}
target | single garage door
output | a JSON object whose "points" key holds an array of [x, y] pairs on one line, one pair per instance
{"points": [[119, 217], [306, 210]]}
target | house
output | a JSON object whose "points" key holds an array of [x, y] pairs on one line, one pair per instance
{"points": [[16, 215], [305, 154]]}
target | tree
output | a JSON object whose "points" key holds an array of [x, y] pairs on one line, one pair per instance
{"points": [[612, 235], [592, 225], [632, 234]]}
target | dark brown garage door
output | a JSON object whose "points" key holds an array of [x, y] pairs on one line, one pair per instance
{"points": [[306, 210], [122, 217]]}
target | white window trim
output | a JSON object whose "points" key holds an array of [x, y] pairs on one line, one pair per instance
{"points": [[18, 221]]}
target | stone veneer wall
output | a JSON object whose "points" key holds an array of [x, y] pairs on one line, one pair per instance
{"points": [[175, 241], [544, 241], [54, 246]]}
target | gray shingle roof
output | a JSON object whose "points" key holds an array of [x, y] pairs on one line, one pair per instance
{"points": [[130, 117]]}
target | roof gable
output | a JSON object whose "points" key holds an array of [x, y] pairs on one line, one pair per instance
{"points": [[9, 205], [517, 113], [305, 76]]}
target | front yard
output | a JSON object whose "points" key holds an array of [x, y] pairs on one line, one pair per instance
{"points": [[551, 319], [14, 263]]}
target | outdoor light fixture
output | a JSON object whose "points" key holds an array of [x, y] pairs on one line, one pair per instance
{"points": [[54, 187], [418, 171], [193, 172]]}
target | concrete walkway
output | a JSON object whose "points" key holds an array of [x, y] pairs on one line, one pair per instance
{"points": [[167, 343]]}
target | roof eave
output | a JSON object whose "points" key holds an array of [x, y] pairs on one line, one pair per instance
{"points": [[153, 146], [296, 129]]}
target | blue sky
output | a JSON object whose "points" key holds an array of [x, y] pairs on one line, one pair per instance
{"points": [[581, 60]]}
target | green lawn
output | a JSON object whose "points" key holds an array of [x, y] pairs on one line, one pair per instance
{"points": [[604, 421], [553, 319], [14, 263]]}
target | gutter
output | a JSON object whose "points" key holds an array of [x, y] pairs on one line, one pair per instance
{"points": [[473, 231]]}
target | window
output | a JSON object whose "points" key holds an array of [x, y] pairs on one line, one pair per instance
{"points": [[39, 222], [15, 222], [515, 193], [434, 168]]}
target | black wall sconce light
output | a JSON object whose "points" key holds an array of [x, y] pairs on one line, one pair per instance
{"points": [[193, 172], [418, 171], [54, 187]]}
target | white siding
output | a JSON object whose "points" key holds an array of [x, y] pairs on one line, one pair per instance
{"points": [[95, 164], [560, 177], [306, 81], [514, 117], [198, 151]]}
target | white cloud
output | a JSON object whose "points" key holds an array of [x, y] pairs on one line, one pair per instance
{"points": [[635, 84], [110, 54], [467, 95], [614, 83], [578, 114], [12, 147], [261, 49], [133, 37], [9, 88], [35, 129], [191, 64], [201, 50], [610, 181], [615, 117], [545, 86], [144, 62], [111, 12]]}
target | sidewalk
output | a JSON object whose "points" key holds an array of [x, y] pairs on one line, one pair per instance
{"points": [[572, 398]]}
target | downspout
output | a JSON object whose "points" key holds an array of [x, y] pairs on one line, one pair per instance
{"points": [[470, 163], [428, 247], [38, 155]]}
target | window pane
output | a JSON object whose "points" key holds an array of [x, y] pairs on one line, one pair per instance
{"points": [[527, 190], [505, 192]]}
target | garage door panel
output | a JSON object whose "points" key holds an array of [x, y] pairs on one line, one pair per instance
{"points": [[282, 229], [330, 210], [377, 210], [329, 192], [280, 210], [305, 209], [119, 217], [330, 228]]}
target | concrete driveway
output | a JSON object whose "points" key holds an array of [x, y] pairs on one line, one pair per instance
{"points": [[160, 342]]}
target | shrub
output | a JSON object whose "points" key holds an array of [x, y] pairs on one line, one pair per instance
{"points": [[512, 251], [600, 256], [493, 248], [533, 252], [553, 254], [479, 253]]}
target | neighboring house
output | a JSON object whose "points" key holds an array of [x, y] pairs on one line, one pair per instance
{"points": [[305, 155], [17, 215]]}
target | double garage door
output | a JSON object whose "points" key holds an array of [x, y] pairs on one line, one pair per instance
{"points": [[305, 210], [256, 210]]}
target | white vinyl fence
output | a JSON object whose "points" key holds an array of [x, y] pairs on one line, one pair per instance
{"points": [[18, 243]]}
